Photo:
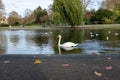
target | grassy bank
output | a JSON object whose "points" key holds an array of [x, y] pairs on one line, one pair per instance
{"points": [[19, 27], [36, 26], [102, 26]]}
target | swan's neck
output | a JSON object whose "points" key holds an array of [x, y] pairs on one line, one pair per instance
{"points": [[59, 41]]}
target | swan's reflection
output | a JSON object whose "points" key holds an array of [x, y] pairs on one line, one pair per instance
{"points": [[59, 50], [68, 48], [65, 48]]}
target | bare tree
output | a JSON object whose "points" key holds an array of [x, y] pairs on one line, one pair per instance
{"points": [[2, 10], [28, 12], [2, 13], [29, 17], [86, 3], [111, 4]]}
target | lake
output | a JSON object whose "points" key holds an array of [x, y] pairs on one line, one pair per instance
{"points": [[90, 41]]}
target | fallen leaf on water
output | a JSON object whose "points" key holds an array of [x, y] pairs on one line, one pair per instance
{"points": [[84, 64], [97, 73], [109, 67], [109, 58], [65, 65], [6, 62], [37, 62], [35, 56]]}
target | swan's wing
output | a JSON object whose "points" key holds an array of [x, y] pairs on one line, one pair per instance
{"points": [[72, 44], [68, 44]]}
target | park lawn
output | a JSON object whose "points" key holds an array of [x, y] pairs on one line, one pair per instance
{"points": [[20, 27], [104, 27], [3, 28], [32, 26], [37, 26]]}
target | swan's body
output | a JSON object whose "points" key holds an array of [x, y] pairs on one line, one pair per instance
{"points": [[67, 44]]}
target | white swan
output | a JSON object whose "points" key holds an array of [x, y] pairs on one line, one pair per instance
{"points": [[67, 44]]}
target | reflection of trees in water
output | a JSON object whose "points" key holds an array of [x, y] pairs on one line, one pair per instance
{"points": [[45, 38], [103, 33], [3, 42], [76, 36], [2, 50], [39, 39], [112, 44], [107, 37], [79, 36], [14, 39]]}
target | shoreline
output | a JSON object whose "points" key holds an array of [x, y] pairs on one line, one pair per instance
{"points": [[38, 27]]}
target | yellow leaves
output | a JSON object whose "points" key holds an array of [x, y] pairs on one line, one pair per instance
{"points": [[37, 62], [108, 21], [84, 65], [97, 73], [109, 58], [108, 67], [65, 65], [117, 12], [6, 62]]}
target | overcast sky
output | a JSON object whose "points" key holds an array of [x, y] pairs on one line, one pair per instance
{"points": [[21, 5]]}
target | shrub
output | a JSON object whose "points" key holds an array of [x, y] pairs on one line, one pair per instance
{"points": [[108, 21]]}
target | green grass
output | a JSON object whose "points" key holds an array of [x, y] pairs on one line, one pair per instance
{"points": [[32, 26], [4, 28], [19, 27], [36, 26], [105, 27]]}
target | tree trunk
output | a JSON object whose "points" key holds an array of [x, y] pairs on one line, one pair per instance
{"points": [[72, 26]]}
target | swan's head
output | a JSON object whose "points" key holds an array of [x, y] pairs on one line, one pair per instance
{"points": [[59, 36]]}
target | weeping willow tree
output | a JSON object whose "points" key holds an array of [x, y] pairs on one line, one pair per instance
{"points": [[68, 11]]}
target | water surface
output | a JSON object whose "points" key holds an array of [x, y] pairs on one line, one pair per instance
{"points": [[90, 41]]}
